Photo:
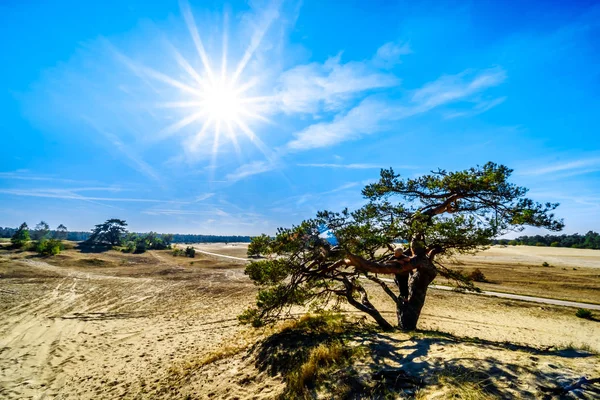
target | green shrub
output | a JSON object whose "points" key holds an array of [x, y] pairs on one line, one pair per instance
{"points": [[49, 247], [190, 252], [583, 313], [545, 264], [554, 244], [21, 236]]}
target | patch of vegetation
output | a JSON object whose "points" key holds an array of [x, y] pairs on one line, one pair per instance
{"points": [[462, 383], [545, 264], [319, 355], [583, 313], [140, 242], [21, 237], [477, 276], [188, 252], [49, 247]]}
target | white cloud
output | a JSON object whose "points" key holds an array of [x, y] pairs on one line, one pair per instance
{"points": [[312, 87], [204, 196], [71, 194], [363, 119], [372, 114], [451, 88], [571, 168], [390, 54], [345, 166], [253, 168], [480, 107]]}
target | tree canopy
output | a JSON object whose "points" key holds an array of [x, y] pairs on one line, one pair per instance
{"points": [[41, 230], [111, 232], [61, 232], [21, 236], [435, 215]]}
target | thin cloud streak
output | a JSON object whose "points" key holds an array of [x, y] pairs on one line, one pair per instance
{"points": [[575, 167], [69, 194]]}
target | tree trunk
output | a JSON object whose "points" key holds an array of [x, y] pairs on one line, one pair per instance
{"points": [[408, 309]]}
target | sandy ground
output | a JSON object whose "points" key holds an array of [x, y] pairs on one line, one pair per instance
{"points": [[115, 325], [559, 256]]}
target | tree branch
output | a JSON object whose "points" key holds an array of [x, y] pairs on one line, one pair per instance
{"points": [[385, 287], [391, 267]]}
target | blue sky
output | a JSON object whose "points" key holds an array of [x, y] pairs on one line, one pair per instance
{"points": [[133, 109]]}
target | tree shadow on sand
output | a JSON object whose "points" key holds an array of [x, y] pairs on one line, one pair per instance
{"points": [[373, 364], [85, 247]]}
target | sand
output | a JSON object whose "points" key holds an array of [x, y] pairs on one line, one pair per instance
{"points": [[112, 325]]}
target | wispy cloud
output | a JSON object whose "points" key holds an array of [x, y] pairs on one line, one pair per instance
{"points": [[25, 175], [71, 194], [390, 54], [345, 166], [313, 87], [373, 114], [480, 107], [575, 167], [253, 168], [451, 88], [204, 196]]}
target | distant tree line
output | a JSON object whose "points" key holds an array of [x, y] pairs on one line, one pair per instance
{"points": [[590, 240], [79, 236]]}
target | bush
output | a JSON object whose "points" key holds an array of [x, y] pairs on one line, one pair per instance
{"points": [[49, 247], [545, 264], [188, 252], [477, 276], [583, 313], [129, 247], [554, 244]]}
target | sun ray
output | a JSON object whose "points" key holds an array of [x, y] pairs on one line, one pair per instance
{"points": [[198, 136], [224, 56], [233, 138], [215, 149], [255, 140], [255, 115], [176, 127], [143, 70], [183, 63], [257, 37], [179, 104], [191, 25]]}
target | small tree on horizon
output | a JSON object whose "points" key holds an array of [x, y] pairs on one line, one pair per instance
{"points": [[21, 236], [61, 232], [41, 230], [437, 215]]}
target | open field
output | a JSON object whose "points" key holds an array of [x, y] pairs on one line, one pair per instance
{"points": [[572, 274], [111, 325]]}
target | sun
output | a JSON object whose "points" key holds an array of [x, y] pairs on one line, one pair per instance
{"points": [[216, 100], [222, 102]]}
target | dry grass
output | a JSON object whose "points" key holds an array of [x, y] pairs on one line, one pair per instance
{"points": [[457, 383], [564, 283]]}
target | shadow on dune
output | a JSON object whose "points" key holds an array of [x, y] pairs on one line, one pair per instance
{"points": [[392, 364], [84, 247]]}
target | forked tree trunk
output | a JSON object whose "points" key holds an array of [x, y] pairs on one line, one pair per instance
{"points": [[412, 299]]}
